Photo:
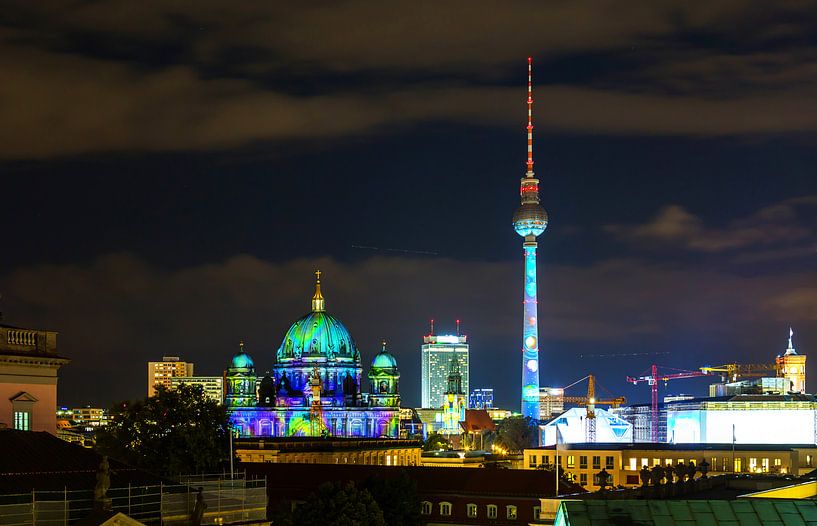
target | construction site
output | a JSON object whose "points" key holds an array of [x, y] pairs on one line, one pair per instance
{"points": [[741, 397]]}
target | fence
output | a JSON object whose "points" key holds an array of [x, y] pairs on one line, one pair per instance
{"points": [[227, 501]]}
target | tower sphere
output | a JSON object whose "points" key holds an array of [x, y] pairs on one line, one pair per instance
{"points": [[530, 219]]}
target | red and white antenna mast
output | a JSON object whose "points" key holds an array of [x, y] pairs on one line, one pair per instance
{"points": [[530, 118]]}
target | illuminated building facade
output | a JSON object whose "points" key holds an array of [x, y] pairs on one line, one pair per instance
{"points": [[551, 402], [455, 402], [530, 221], [481, 399], [28, 379], [437, 352], [211, 386], [315, 385], [161, 373], [792, 367], [623, 461]]}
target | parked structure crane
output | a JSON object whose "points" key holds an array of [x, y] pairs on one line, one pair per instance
{"points": [[732, 372], [652, 380], [590, 401]]}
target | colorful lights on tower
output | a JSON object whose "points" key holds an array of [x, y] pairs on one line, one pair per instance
{"points": [[530, 221]]}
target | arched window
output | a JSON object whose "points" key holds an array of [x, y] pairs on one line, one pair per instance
{"points": [[510, 512], [472, 510], [426, 508], [491, 511], [445, 509]]}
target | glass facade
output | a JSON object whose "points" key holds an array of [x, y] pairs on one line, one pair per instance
{"points": [[437, 352]]}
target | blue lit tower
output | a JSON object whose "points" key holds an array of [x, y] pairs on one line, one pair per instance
{"points": [[529, 221]]}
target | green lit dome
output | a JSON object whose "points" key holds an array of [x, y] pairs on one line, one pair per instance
{"points": [[316, 336], [242, 360], [384, 360]]}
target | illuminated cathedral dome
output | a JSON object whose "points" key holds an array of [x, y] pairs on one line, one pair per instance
{"points": [[242, 360], [530, 219], [384, 360], [318, 336]]}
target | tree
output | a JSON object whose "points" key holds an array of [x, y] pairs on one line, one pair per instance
{"points": [[177, 431], [516, 433], [335, 504], [397, 497], [436, 441]]}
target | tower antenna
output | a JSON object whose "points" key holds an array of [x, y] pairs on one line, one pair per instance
{"points": [[432, 327], [530, 117], [458, 327]]}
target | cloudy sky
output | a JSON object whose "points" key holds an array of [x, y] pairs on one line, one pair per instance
{"points": [[172, 174]]}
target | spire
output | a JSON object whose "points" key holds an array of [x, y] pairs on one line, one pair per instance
{"points": [[383, 348], [317, 299], [791, 350], [530, 118]]}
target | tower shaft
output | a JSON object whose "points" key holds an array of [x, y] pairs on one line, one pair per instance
{"points": [[530, 334]]}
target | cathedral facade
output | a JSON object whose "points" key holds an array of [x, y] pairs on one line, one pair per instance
{"points": [[315, 387]]}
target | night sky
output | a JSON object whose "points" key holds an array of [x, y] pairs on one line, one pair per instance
{"points": [[172, 174]]}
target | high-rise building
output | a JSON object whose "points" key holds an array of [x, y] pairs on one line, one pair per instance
{"points": [[90, 416], [551, 402], [792, 367], [530, 221], [212, 386], [160, 373], [437, 351], [481, 399]]}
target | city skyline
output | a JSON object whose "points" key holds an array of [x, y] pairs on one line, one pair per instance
{"points": [[169, 192]]}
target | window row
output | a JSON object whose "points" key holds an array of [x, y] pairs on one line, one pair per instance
{"points": [[472, 510], [570, 460]]}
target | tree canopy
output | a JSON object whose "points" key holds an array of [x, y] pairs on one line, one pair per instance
{"points": [[516, 433], [436, 441], [397, 497], [177, 431], [335, 504]]}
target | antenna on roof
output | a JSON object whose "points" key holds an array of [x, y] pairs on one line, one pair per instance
{"points": [[458, 327], [432, 327]]}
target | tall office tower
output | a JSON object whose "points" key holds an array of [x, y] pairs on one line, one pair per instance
{"points": [[551, 402], [530, 221], [160, 373], [437, 352], [481, 399]]}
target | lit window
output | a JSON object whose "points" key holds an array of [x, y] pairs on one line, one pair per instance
{"points": [[571, 461], [808, 460], [426, 509], [656, 461], [777, 462], [752, 464], [764, 465], [632, 466], [445, 508], [472, 510], [510, 512], [491, 509], [22, 420]]}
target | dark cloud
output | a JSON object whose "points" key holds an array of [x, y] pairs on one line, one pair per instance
{"points": [[122, 311], [104, 76], [780, 224]]}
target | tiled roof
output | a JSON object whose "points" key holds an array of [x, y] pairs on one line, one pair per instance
{"points": [[39, 460], [298, 480], [771, 512], [477, 420]]}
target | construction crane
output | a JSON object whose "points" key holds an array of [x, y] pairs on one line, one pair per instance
{"points": [[652, 380], [591, 401], [731, 372]]}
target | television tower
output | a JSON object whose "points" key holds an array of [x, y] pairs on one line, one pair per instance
{"points": [[530, 221]]}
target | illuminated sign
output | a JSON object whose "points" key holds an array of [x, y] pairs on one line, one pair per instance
{"points": [[448, 338]]}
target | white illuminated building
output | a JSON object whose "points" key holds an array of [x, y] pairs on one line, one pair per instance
{"points": [[746, 420], [571, 428], [437, 352]]}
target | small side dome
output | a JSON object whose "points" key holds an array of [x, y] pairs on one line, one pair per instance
{"points": [[242, 360], [384, 359]]}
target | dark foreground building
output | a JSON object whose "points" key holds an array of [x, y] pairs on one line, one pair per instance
{"points": [[446, 495]]}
